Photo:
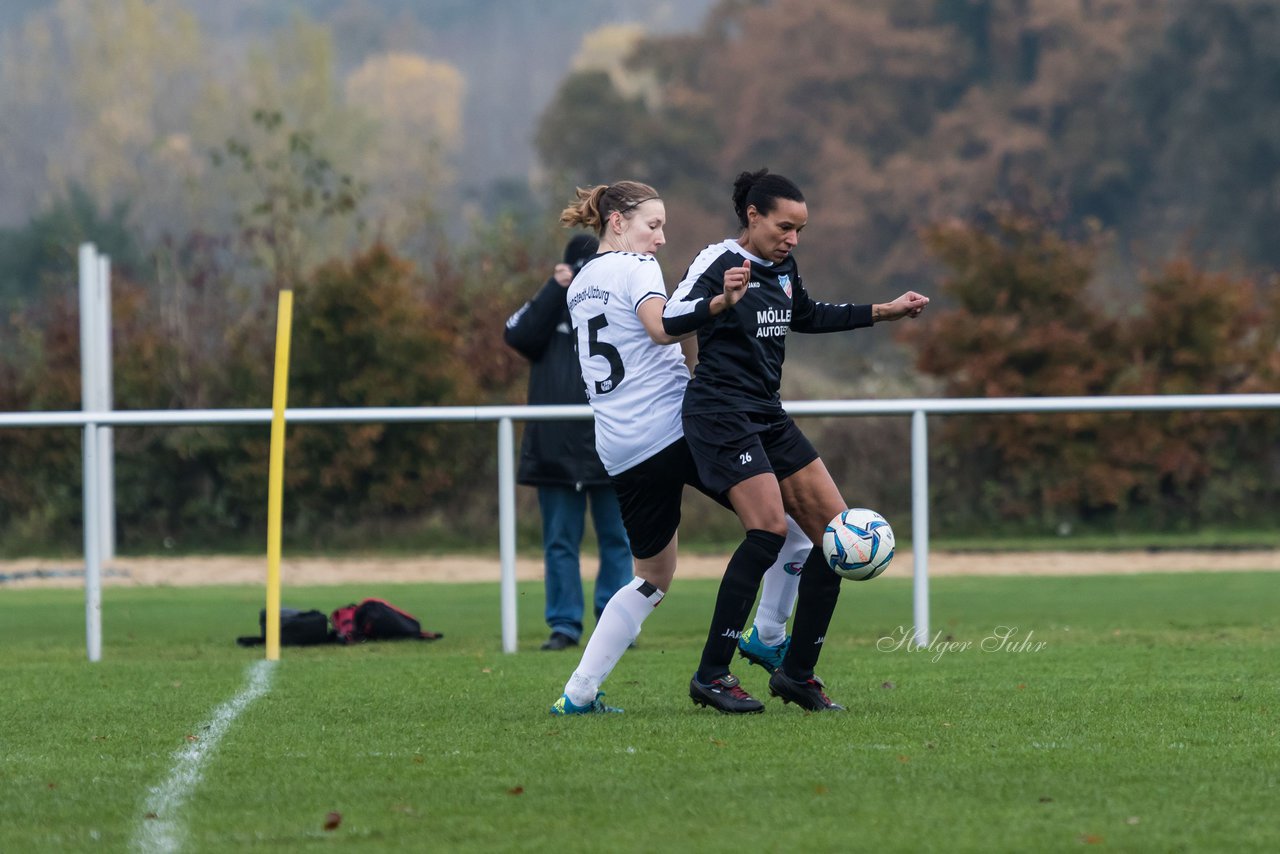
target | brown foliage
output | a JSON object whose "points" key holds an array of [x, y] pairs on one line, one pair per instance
{"points": [[891, 116], [1024, 323], [364, 336]]}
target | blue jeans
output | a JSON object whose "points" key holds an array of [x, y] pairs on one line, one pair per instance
{"points": [[564, 512]]}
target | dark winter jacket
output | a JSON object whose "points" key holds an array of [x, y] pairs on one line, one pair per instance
{"points": [[553, 453]]}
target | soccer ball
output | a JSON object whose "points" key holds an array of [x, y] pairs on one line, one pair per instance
{"points": [[858, 544]]}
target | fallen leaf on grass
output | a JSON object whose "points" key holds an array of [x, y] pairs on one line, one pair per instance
{"points": [[819, 789], [1091, 839], [904, 758], [1045, 799], [191, 737], [332, 820], [151, 815], [518, 790], [717, 742]]}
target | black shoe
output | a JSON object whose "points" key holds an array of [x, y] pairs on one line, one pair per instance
{"points": [[724, 695], [559, 640], [807, 694]]}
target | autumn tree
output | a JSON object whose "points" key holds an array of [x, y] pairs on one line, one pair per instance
{"points": [[87, 90], [128, 99], [39, 370], [41, 257], [1148, 117], [299, 197], [1026, 319], [1198, 332], [1022, 323], [412, 109]]}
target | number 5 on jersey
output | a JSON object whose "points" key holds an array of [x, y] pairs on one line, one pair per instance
{"points": [[605, 350]]}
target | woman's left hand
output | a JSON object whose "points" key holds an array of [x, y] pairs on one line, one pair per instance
{"points": [[909, 304]]}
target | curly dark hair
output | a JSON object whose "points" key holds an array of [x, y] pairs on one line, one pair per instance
{"points": [[761, 189]]}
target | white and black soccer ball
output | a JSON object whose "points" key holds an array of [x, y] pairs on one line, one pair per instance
{"points": [[858, 544]]}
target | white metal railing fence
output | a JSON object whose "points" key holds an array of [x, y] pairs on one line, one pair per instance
{"points": [[919, 409]]}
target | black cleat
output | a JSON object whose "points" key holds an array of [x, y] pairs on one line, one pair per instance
{"points": [[724, 695], [559, 640], [807, 694]]}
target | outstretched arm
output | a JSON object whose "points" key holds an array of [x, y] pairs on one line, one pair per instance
{"points": [[909, 304], [811, 317]]}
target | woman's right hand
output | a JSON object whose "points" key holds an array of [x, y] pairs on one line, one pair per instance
{"points": [[736, 280], [563, 275]]}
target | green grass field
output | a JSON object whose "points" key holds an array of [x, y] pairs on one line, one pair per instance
{"points": [[1134, 713]]}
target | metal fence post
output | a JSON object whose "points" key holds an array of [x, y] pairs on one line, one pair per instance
{"points": [[106, 401], [92, 546], [90, 402], [920, 524], [507, 530]]}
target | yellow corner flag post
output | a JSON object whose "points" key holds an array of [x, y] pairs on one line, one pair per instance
{"points": [[275, 476]]}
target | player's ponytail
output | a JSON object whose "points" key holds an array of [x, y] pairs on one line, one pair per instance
{"points": [[760, 189], [585, 212], [594, 205]]}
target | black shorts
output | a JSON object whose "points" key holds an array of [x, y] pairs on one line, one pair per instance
{"points": [[649, 494], [730, 447]]}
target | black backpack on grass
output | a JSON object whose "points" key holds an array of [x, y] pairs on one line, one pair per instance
{"points": [[297, 628]]}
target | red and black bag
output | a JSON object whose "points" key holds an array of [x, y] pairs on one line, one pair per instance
{"points": [[377, 619]]}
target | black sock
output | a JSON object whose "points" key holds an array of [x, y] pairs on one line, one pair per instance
{"points": [[816, 602], [737, 594]]}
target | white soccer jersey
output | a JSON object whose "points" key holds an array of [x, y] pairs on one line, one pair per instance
{"points": [[635, 386]]}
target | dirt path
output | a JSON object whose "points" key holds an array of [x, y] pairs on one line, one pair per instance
{"points": [[191, 571]]}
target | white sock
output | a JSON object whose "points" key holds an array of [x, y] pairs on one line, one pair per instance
{"points": [[780, 586], [618, 626]]}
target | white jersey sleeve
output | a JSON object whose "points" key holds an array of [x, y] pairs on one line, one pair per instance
{"points": [[635, 386]]}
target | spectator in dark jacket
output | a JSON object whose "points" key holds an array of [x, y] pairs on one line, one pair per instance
{"points": [[559, 457]]}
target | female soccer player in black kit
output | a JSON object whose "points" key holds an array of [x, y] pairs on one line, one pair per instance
{"points": [[742, 440]]}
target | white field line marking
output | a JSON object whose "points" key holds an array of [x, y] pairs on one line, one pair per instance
{"points": [[165, 831]]}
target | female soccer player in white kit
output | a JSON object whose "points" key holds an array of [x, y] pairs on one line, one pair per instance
{"points": [[635, 382]]}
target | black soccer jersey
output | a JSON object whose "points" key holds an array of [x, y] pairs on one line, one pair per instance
{"points": [[740, 351]]}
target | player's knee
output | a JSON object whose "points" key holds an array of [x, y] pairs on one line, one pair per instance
{"points": [[769, 543], [776, 526]]}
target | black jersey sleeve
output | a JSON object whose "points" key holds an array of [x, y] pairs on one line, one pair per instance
{"points": [[810, 316], [529, 330], [690, 305], [699, 312]]}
